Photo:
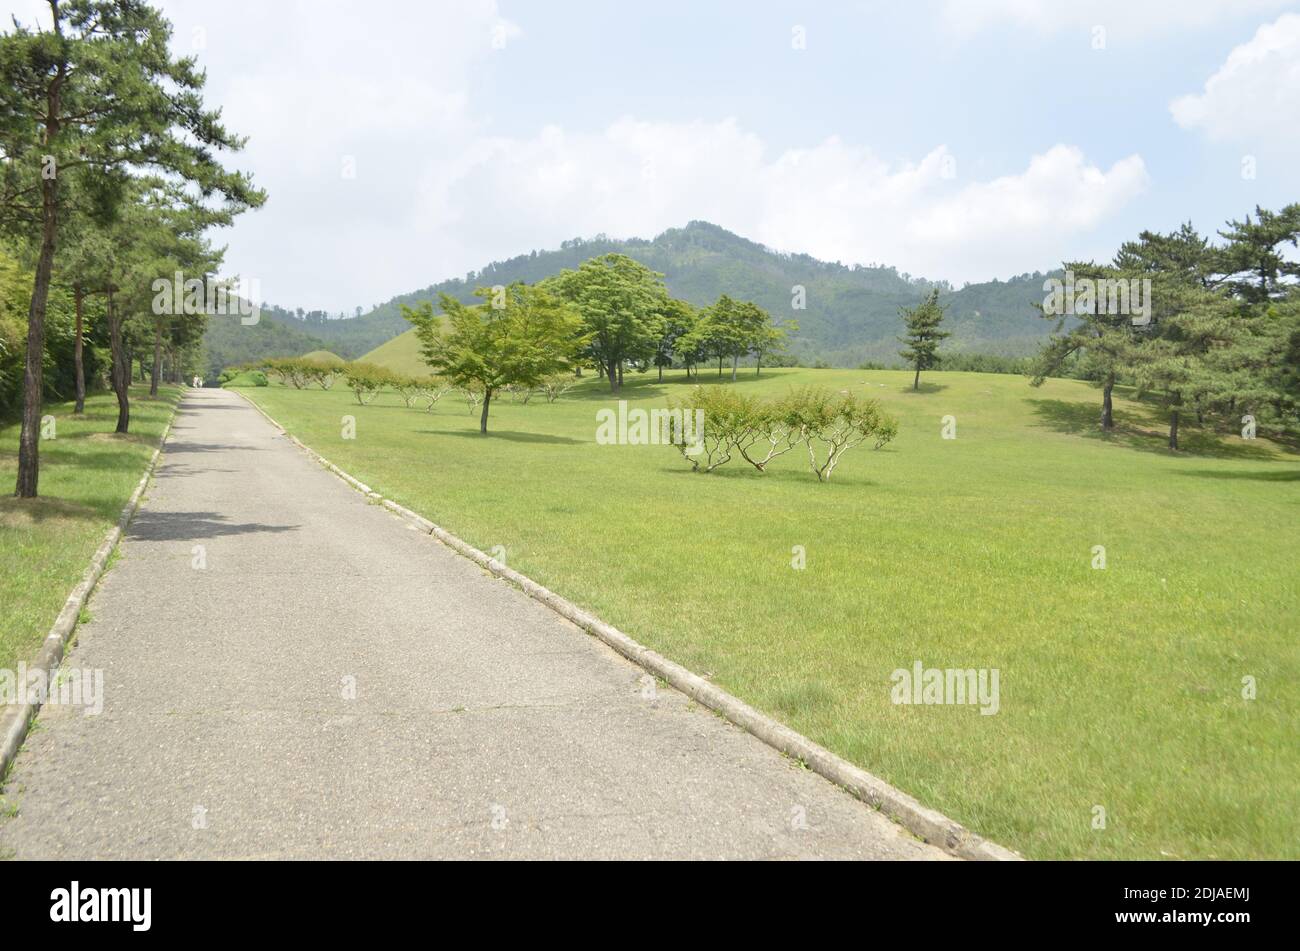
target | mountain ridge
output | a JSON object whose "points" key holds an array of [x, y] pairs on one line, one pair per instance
{"points": [[850, 314]]}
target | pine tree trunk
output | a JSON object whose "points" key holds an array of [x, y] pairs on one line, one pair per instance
{"points": [[661, 373], [916, 380], [1107, 407], [121, 368], [33, 383], [613, 378], [78, 365], [1173, 429], [482, 422], [155, 373]]}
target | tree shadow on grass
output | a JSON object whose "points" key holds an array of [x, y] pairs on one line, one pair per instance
{"points": [[1254, 475], [738, 471], [1145, 430], [17, 512], [505, 434], [923, 388], [130, 463], [111, 438]]}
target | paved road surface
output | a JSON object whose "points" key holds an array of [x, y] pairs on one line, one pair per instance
{"points": [[482, 725]]}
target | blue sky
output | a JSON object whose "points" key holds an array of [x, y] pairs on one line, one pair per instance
{"points": [[958, 140], [892, 76]]}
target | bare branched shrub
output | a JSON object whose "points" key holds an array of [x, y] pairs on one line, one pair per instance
{"points": [[727, 424], [829, 424], [771, 434], [473, 395], [557, 384], [431, 389], [837, 421], [407, 387]]}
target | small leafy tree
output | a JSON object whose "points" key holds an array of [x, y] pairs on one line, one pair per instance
{"points": [[367, 380], [320, 372], [407, 387], [677, 320], [486, 348], [922, 335], [728, 423], [770, 341], [619, 301], [837, 421]]}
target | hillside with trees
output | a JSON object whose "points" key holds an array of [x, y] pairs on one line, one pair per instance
{"points": [[849, 313]]}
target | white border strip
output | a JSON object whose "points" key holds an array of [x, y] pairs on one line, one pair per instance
{"points": [[16, 719], [928, 824]]}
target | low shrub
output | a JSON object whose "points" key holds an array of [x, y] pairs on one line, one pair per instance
{"points": [[827, 423], [366, 380]]}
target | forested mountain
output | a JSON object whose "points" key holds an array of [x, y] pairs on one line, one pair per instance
{"points": [[851, 312], [228, 342]]}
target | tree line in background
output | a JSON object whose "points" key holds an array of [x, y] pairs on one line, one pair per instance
{"points": [[367, 380], [611, 312], [109, 181]]}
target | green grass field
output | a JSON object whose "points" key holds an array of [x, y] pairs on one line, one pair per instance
{"points": [[87, 475], [1120, 688]]}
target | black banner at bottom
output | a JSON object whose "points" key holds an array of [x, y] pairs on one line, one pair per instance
{"points": [[1214, 901]]}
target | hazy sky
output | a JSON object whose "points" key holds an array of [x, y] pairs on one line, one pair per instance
{"points": [[405, 143]]}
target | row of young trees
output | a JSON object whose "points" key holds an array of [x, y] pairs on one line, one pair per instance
{"points": [[368, 380], [1218, 334], [109, 179], [612, 312]]}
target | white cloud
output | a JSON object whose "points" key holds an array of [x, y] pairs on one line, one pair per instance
{"points": [[377, 90], [1254, 97], [833, 200], [1133, 18]]}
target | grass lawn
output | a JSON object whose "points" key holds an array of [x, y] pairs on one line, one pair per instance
{"points": [[87, 474], [1120, 688]]}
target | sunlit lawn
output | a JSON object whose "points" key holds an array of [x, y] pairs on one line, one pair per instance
{"points": [[1120, 688], [87, 474]]}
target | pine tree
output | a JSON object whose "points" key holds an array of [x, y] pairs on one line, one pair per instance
{"points": [[1101, 341], [923, 335], [95, 96]]}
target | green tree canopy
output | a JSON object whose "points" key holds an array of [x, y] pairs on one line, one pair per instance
{"points": [[620, 302], [922, 335], [530, 336]]}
